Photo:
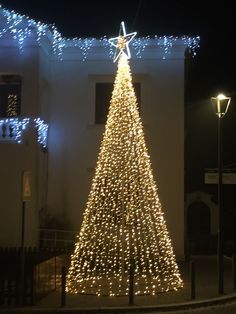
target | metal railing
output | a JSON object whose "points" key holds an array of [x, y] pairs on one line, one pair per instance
{"points": [[56, 238]]}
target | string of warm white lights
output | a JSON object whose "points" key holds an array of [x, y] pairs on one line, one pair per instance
{"points": [[123, 223], [20, 27], [11, 108], [14, 127]]}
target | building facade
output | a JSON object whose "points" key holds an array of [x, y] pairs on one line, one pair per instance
{"points": [[63, 88]]}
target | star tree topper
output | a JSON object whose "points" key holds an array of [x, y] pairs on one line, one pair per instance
{"points": [[122, 42]]}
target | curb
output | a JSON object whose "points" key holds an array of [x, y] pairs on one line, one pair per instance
{"points": [[122, 310]]}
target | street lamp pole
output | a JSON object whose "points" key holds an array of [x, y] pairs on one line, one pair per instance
{"points": [[221, 103], [221, 215]]}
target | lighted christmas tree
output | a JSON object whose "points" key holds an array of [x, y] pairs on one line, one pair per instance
{"points": [[123, 223]]}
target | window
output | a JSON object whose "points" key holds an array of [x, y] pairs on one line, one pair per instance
{"points": [[10, 95], [103, 97]]}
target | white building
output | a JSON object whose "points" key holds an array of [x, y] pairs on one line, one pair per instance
{"points": [[61, 82]]}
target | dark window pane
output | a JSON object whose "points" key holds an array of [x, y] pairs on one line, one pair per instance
{"points": [[103, 97]]}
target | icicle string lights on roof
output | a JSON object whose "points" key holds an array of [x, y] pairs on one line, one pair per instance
{"points": [[21, 27]]}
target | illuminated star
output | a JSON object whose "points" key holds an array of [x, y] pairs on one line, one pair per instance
{"points": [[122, 42]]}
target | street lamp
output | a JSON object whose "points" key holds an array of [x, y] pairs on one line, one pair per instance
{"points": [[221, 105]]}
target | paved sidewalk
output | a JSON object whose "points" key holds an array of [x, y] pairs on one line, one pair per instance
{"points": [[206, 289], [207, 300]]}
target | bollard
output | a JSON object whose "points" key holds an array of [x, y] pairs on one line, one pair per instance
{"points": [[192, 278], [131, 283], [63, 286], [22, 257], [234, 271]]}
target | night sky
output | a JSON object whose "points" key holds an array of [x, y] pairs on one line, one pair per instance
{"points": [[211, 71]]}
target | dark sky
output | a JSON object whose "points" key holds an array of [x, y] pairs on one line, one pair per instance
{"points": [[212, 70]]}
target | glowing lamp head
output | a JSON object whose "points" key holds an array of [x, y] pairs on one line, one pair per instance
{"points": [[221, 104]]}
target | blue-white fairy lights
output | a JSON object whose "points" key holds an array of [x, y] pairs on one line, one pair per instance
{"points": [[13, 128], [20, 27], [42, 131]]}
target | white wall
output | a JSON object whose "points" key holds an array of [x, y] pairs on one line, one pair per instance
{"points": [[63, 93], [16, 158]]}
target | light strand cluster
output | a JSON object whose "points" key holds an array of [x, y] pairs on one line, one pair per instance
{"points": [[14, 127], [11, 109], [42, 129], [123, 223], [21, 27]]}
